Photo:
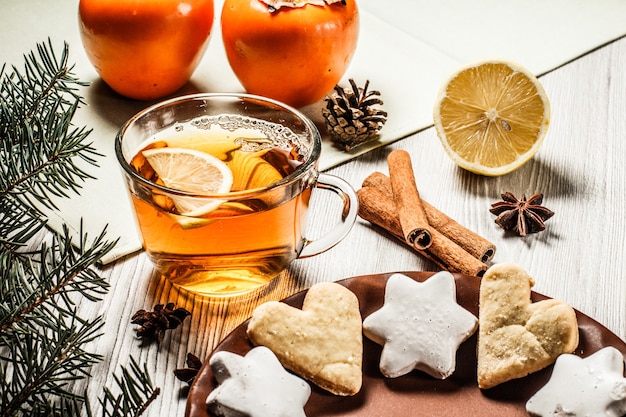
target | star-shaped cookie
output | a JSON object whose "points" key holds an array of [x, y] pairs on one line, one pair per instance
{"points": [[593, 386], [255, 385], [420, 326]]}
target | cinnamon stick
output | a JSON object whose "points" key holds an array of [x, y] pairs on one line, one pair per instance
{"points": [[413, 220], [469, 240], [378, 208]]}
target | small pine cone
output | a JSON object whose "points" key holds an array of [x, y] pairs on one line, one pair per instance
{"points": [[350, 116]]}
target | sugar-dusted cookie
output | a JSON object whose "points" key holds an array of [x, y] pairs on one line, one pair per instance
{"points": [[420, 326], [516, 336], [255, 385], [593, 386], [322, 342]]}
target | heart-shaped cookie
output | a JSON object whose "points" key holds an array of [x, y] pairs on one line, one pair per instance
{"points": [[516, 336], [323, 342]]}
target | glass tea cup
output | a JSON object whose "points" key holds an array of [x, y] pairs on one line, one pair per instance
{"points": [[224, 243]]}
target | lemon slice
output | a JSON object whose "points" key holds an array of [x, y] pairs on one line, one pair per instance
{"points": [[191, 171], [492, 117], [255, 171]]}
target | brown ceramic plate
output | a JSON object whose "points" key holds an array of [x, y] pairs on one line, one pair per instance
{"points": [[415, 393]]}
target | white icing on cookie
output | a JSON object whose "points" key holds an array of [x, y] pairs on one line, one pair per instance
{"points": [[593, 386], [255, 385], [420, 326]]}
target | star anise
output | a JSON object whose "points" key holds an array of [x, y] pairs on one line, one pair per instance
{"points": [[521, 216], [189, 373], [155, 323]]}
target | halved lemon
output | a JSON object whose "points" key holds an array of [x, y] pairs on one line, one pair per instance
{"points": [[492, 117], [191, 171]]}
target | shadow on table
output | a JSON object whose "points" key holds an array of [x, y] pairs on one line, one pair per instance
{"points": [[116, 109], [536, 176]]}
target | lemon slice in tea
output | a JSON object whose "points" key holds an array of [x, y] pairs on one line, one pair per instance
{"points": [[492, 117], [191, 171]]}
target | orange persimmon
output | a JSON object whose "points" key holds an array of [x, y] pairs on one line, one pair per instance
{"points": [[292, 53], [145, 49]]}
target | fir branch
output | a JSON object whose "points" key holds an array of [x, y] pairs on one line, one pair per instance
{"points": [[43, 281], [65, 407], [18, 224], [40, 326], [40, 148], [45, 79], [59, 269], [60, 359], [136, 395]]}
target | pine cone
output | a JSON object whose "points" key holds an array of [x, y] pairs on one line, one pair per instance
{"points": [[350, 116]]}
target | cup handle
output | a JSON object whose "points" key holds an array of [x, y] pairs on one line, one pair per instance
{"points": [[348, 217]]}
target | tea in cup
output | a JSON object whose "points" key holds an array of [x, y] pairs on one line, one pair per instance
{"points": [[221, 184]]}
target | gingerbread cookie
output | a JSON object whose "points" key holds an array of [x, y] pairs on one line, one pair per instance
{"points": [[516, 336], [323, 342], [255, 385], [420, 326], [593, 386]]}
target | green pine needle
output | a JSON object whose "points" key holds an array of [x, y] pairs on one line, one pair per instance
{"points": [[42, 335]]}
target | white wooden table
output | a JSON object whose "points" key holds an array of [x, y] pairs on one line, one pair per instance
{"points": [[579, 258]]}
